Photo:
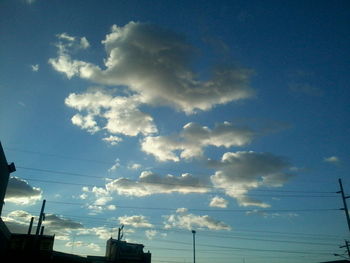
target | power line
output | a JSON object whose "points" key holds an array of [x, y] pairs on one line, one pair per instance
{"points": [[251, 194], [210, 210], [203, 232], [172, 184], [59, 172], [57, 156]]}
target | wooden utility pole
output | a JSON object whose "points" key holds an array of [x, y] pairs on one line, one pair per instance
{"points": [[5, 170], [345, 208]]}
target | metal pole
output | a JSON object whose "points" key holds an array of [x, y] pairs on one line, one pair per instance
{"points": [[30, 225], [344, 202], [194, 246], [41, 218]]}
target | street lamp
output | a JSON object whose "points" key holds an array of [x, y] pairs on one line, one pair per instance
{"points": [[194, 246]]}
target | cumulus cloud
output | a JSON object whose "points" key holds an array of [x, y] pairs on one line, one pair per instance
{"points": [[192, 140], [190, 221], [217, 201], [135, 221], [239, 172], [20, 192], [100, 110], [156, 64], [55, 222], [18, 222], [150, 183]]}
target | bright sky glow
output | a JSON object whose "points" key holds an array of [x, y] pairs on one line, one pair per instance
{"points": [[230, 118]]}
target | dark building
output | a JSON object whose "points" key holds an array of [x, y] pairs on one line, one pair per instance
{"points": [[123, 252], [24, 246]]}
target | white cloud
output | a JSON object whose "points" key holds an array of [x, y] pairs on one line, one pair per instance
{"points": [[156, 64], [134, 166], [332, 159], [35, 68], [150, 234], [135, 221], [115, 166], [111, 207], [193, 139], [240, 172], [112, 140], [191, 221], [68, 42], [150, 183], [85, 122], [99, 200], [181, 210], [102, 232], [21, 193], [115, 114], [217, 201], [90, 246]]}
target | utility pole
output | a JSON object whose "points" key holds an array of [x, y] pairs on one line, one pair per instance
{"points": [[41, 218], [345, 208], [347, 247], [194, 246], [120, 234], [5, 170]]}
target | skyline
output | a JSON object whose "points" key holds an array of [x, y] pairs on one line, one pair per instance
{"points": [[228, 118]]}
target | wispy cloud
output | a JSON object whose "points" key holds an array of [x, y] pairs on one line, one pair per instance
{"points": [[190, 221], [332, 159]]}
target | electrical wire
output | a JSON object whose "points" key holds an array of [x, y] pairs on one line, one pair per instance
{"points": [[159, 183]]}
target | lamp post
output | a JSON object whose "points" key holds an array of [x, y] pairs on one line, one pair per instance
{"points": [[194, 246]]}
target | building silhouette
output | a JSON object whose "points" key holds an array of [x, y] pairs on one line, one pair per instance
{"points": [[38, 247]]}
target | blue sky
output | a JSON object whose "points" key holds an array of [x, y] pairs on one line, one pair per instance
{"points": [[227, 117]]}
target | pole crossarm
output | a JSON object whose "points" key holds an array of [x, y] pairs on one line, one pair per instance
{"points": [[345, 208]]}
